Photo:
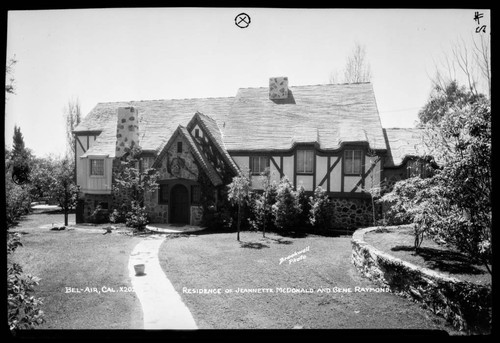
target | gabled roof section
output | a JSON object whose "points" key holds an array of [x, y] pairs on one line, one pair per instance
{"points": [[205, 165], [403, 143], [158, 119], [331, 115], [210, 126]]}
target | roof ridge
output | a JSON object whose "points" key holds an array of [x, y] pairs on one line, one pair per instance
{"points": [[166, 99], [313, 85]]}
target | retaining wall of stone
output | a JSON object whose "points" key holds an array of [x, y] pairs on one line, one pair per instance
{"points": [[465, 305]]}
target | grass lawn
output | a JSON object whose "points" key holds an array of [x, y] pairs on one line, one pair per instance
{"points": [[399, 243], [217, 260], [79, 259]]}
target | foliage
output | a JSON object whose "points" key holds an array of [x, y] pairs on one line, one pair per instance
{"points": [[130, 181], [305, 207], [443, 99], [62, 186], [10, 87], [20, 158], [286, 210], [137, 217], [18, 200], [261, 206], [116, 217], [322, 212], [72, 117], [455, 203], [356, 69], [239, 194]]}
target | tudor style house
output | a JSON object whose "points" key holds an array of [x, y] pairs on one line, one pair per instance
{"points": [[318, 135]]}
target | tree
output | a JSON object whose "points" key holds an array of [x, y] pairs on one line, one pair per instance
{"points": [[10, 81], [20, 157], [456, 201], [62, 186], [132, 183], [356, 69], [72, 116], [443, 99], [239, 195], [467, 62], [287, 209], [322, 211]]}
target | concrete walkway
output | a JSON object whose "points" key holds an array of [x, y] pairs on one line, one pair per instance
{"points": [[162, 306]]}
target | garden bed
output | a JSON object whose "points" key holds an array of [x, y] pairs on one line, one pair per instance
{"points": [[398, 242]]}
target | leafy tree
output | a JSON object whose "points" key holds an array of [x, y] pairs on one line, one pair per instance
{"points": [[132, 183], [20, 157], [239, 195], [443, 99], [456, 201], [62, 186]]}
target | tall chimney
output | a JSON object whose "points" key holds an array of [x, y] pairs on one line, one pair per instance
{"points": [[127, 130], [278, 87]]}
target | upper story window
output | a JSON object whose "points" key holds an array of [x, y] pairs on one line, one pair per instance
{"points": [[97, 167], [305, 161], [418, 167], [197, 133], [179, 147], [352, 162], [258, 164]]}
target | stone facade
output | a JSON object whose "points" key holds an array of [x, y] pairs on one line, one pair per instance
{"points": [[196, 215], [465, 305], [352, 213]]}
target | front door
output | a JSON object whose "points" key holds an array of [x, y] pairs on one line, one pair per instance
{"points": [[179, 205]]}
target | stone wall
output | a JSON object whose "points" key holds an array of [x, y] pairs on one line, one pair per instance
{"points": [[352, 213], [196, 215], [465, 305]]}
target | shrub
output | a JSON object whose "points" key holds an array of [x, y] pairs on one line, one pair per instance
{"points": [[262, 207], [305, 207], [18, 201], [23, 307], [137, 217], [321, 210], [286, 210]]}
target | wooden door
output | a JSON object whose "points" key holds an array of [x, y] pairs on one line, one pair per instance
{"points": [[179, 199]]}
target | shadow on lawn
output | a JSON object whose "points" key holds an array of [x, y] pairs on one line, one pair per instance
{"points": [[253, 245], [444, 260]]}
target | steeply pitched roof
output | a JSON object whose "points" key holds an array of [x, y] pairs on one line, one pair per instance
{"points": [[328, 114], [202, 161], [214, 133], [158, 119], [403, 142]]}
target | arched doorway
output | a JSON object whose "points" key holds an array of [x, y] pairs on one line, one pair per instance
{"points": [[179, 208]]}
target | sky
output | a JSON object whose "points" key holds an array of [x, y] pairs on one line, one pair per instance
{"points": [[106, 55]]}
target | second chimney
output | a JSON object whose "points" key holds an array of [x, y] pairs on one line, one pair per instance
{"points": [[278, 87]]}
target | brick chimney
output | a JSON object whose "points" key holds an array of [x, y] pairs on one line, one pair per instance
{"points": [[278, 88], [127, 130]]}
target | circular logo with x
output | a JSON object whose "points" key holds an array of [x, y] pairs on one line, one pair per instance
{"points": [[242, 20]]}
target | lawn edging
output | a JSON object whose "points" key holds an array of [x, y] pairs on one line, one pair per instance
{"points": [[465, 305]]}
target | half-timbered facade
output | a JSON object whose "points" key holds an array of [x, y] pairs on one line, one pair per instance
{"points": [[327, 136]]}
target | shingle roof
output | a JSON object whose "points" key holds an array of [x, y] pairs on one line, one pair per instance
{"points": [[403, 142], [327, 114], [215, 134], [158, 119]]}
